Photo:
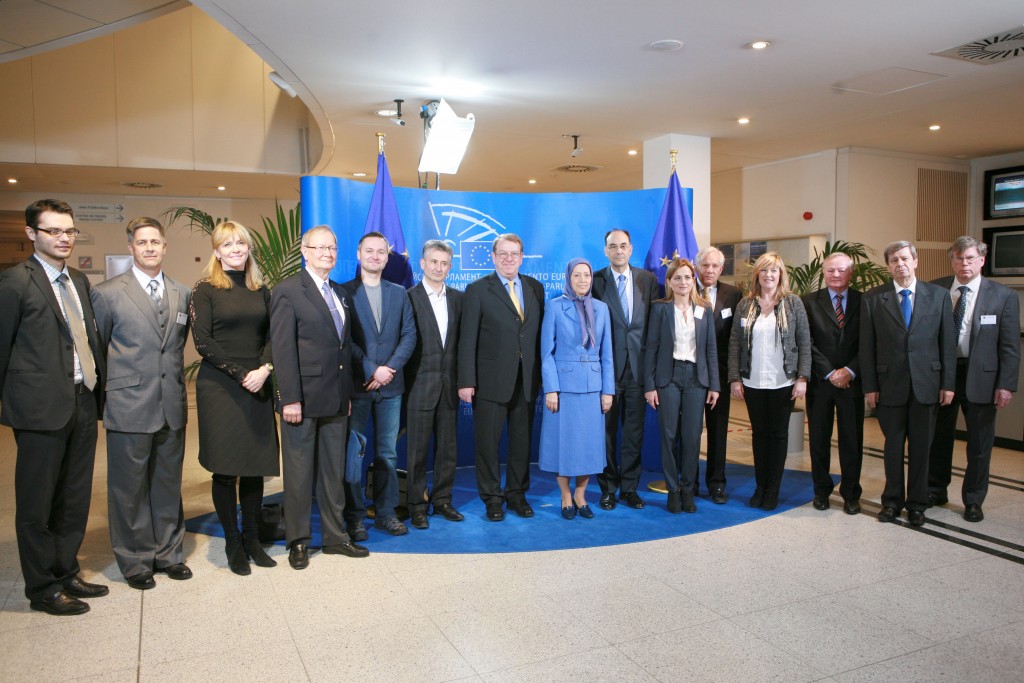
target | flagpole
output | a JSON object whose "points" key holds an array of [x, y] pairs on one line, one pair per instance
{"points": [[673, 153], [380, 143]]}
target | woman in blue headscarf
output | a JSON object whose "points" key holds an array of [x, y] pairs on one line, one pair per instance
{"points": [[579, 383]]}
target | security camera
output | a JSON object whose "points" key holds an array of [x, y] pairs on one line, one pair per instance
{"points": [[398, 122], [576, 152]]}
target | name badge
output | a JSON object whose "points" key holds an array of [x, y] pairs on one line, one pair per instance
{"points": [[726, 313], [698, 312], [743, 322], [182, 319], [988, 320]]}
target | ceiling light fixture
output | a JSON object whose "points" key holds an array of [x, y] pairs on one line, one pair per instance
{"points": [[632, 152], [934, 127], [668, 45], [759, 45], [358, 174], [12, 181], [576, 149], [284, 85], [743, 120], [221, 188], [532, 181]]}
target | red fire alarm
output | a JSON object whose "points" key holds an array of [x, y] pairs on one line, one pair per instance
{"points": [[808, 215]]}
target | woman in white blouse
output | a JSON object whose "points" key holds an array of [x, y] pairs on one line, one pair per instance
{"points": [[680, 376], [769, 363]]}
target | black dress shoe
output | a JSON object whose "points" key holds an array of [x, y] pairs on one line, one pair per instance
{"points": [[973, 513], [718, 497], [633, 500], [143, 581], [349, 549], [569, 512], [821, 503], [937, 498], [584, 511], [888, 514], [178, 572], [916, 517], [851, 507], [298, 556], [521, 508], [757, 499], [419, 520], [687, 503], [495, 513], [675, 502], [77, 588], [60, 604], [448, 512], [771, 501], [608, 501], [357, 532]]}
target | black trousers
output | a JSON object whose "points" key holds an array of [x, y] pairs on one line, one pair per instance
{"points": [[980, 419], [716, 421], [629, 409], [52, 492], [769, 411], [911, 425], [825, 404], [441, 422], [489, 418]]}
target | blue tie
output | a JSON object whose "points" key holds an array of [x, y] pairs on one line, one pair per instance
{"points": [[326, 289], [623, 298], [905, 306]]}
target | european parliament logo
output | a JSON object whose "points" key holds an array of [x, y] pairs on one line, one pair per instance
{"points": [[469, 232]]}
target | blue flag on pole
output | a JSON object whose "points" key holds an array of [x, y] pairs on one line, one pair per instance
{"points": [[674, 235], [383, 218]]}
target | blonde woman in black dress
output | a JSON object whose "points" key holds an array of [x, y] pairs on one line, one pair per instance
{"points": [[237, 432]]}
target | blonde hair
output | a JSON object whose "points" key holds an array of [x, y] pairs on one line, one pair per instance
{"points": [[214, 271], [766, 261], [695, 296]]}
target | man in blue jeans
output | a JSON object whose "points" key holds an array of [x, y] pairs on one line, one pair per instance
{"points": [[384, 336]]}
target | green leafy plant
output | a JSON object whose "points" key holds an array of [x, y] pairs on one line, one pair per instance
{"points": [[808, 277]]}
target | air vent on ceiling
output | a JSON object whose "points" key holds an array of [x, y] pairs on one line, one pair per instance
{"points": [[992, 49], [142, 186], [577, 168]]}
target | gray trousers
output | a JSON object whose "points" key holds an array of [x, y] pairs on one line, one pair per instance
{"points": [[144, 512], [314, 448]]}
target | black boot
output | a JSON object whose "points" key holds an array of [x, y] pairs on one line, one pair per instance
{"points": [[253, 548], [237, 560], [675, 504], [771, 500]]}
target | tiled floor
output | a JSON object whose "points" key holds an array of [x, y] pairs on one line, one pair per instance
{"points": [[799, 596]]}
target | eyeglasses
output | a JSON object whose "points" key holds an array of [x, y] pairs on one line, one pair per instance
{"points": [[966, 259], [57, 232], [506, 255], [323, 250]]}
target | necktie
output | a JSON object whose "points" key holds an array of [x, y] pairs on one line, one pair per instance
{"points": [[154, 291], [905, 306], [78, 334], [335, 313], [623, 298], [515, 299], [960, 309], [840, 316]]}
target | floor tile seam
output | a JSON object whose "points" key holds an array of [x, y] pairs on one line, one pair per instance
{"points": [[796, 656], [288, 625], [901, 655], [640, 664]]}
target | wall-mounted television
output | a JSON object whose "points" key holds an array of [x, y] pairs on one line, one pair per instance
{"points": [[1005, 250], [1004, 193]]}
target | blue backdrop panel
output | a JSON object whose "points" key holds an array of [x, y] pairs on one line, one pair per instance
{"points": [[554, 227]]}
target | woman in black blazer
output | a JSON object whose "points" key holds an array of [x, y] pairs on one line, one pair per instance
{"points": [[680, 376]]}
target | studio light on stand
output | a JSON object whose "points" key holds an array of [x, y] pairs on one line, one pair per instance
{"points": [[446, 137]]}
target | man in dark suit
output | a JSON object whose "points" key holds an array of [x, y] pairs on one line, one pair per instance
{"points": [[723, 298], [50, 369], [142, 317], [311, 340], [432, 393], [834, 393], [986, 316], [383, 337], [908, 366], [499, 372], [628, 291]]}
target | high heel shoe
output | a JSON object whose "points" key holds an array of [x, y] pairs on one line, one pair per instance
{"points": [[584, 511], [253, 548], [569, 511]]}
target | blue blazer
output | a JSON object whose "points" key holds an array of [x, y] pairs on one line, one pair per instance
{"points": [[661, 341], [392, 345], [565, 364]]}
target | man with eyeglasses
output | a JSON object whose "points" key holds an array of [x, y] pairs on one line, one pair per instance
{"points": [[311, 342], [383, 336], [986, 315], [51, 367], [499, 373]]}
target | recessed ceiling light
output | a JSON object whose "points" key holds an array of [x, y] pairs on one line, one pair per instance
{"points": [[358, 174], [668, 45], [12, 181], [759, 45], [386, 113], [934, 126], [743, 120], [221, 188], [632, 152], [532, 181], [142, 185]]}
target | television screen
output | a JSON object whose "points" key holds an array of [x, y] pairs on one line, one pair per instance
{"points": [[1007, 256], [1004, 193]]}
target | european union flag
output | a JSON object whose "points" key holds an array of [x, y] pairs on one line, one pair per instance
{"points": [[674, 235], [476, 255], [383, 218]]}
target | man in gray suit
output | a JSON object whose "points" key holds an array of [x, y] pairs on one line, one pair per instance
{"points": [[908, 367], [986, 316], [142, 318]]}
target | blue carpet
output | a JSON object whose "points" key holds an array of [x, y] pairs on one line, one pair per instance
{"points": [[548, 531]]}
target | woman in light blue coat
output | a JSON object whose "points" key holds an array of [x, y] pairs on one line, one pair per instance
{"points": [[578, 373]]}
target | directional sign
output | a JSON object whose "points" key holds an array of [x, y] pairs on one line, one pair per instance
{"points": [[99, 213]]}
